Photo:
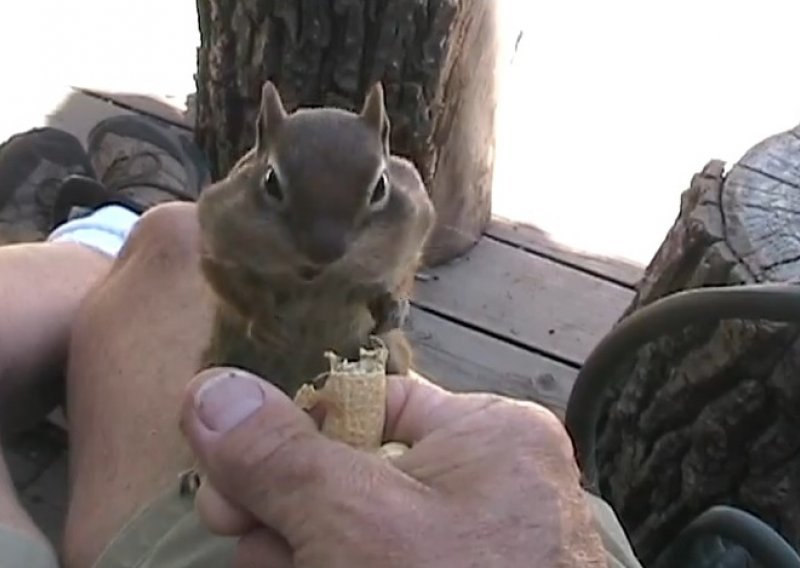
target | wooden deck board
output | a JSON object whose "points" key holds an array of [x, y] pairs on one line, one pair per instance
{"points": [[464, 360], [46, 498], [37, 463], [160, 108], [525, 299], [533, 239]]}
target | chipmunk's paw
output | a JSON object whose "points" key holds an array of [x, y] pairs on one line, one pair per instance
{"points": [[389, 313]]}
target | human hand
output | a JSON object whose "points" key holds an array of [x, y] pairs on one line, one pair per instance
{"points": [[487, 482]]}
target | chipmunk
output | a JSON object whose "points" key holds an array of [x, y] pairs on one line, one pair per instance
{"points": [[311, 242]]}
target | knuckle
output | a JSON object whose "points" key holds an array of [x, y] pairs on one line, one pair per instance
{"points": [[169, 230], [532, 424]]}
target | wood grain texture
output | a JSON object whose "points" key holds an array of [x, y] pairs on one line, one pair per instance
{"points": [[709, 415], [163, 109], [526, 299], [436, 59], [464, 360], [533, 239]]}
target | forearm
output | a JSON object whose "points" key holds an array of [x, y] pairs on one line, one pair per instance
{"points": [[42, 287]]}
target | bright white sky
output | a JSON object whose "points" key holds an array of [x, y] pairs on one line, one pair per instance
{"points": [[611, 106], [615, 104]]}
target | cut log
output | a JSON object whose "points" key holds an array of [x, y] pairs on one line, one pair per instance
{"points": [[711, 415], [436, 59]]}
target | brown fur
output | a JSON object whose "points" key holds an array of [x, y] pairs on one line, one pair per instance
{"points": [[271, 318]]}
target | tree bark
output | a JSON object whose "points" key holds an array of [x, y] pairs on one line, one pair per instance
{"points": [[712, 415], [436, 59]]}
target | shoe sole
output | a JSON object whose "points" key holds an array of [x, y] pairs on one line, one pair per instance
{"points": [[146, 129]]}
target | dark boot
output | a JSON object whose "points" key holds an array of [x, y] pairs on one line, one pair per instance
{"points": [[33, 165]]}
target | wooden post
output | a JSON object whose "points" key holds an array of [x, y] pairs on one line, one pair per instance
{"points": [[711, 415], [436, 59]]}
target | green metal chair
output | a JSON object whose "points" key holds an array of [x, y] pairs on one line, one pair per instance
{"points": [[722, 536]]}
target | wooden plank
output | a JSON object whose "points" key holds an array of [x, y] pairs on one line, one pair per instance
{"points": [[526, 299], [37, 463], [535, 240], [47, 498], [61, 107], [79, 113], [463, 360], [157, 106]]}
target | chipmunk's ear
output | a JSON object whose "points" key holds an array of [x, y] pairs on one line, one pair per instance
{"points": [[374, 113], [270, 115]]}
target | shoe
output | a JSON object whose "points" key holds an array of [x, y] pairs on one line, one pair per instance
{"points": [[32, 166], [138, 164]]}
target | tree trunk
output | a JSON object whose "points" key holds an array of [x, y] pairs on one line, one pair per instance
{"points": [[712, 415], [436, 59]]}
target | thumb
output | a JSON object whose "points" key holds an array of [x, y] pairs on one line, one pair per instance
{"points": [[266, 456]]}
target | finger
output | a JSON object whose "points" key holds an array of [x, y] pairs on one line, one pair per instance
{"points": [[265, 455], [262, 548], [219, 515], [416, 407]]}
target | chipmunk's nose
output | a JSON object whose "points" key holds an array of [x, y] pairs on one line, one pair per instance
{"points": [[309, 273], [326, 243], [325, 252]]}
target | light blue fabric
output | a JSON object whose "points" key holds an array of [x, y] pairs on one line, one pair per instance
{"points": [[105, 230], [18, 551]]}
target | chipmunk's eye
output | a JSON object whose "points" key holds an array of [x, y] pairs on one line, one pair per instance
{"points": [[272, 187], [380, 193]]}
